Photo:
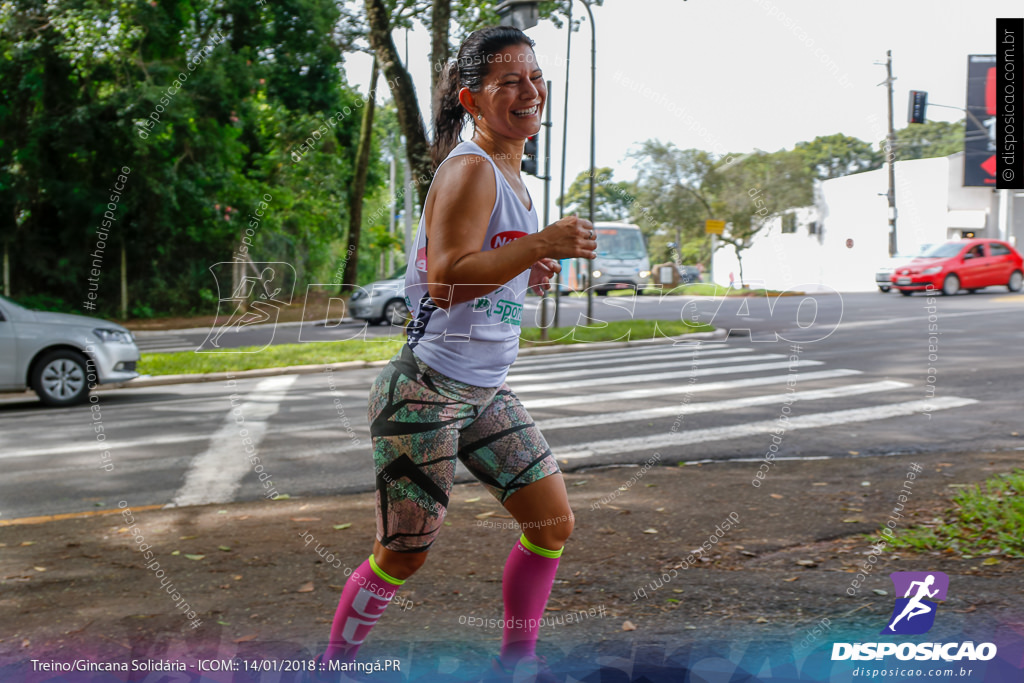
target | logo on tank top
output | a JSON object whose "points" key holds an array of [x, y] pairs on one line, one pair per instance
{"points": [[482, 304], [421, 260], [510, 312], [503, 238]]}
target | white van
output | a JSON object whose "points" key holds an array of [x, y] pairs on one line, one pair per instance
{"points": [[622, 261]]}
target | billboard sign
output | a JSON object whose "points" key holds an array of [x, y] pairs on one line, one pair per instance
{"points": [[979, 145]]}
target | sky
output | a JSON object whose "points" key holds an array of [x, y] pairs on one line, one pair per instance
{"points": [[739, 75]]}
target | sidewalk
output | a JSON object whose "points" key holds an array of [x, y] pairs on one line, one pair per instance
{"points": [[252, 573]]}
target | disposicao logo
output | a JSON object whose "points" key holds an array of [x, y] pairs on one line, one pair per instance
{"points": [[914, 614]]}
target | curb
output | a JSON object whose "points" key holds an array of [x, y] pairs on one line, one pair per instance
{"points": [[164, 380], [196, 330]]}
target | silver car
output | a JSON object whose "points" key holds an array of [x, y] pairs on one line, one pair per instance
{"points": [[382, 301], [885, 271], [60, 356]]}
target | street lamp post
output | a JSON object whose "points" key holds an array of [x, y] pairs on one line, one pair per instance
{"points": [[561, 182], [523, 14], [593, 139]]}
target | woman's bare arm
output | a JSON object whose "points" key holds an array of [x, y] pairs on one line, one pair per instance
{"points": [[462, 198]]}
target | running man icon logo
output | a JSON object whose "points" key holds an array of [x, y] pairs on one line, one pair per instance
{"points": [[914, 613], [252, 294]]}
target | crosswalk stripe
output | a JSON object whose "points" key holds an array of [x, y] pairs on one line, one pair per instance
{"points": [[215, 475], [812, 421], [108, 445], [531, 405], [691, 361], [631, 394], [712, 406], [638, 352], [661, 376], [680, 354], [170, 440]]}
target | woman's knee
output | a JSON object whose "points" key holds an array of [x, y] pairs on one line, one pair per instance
{"points": [[398, 565], [551, 535]]}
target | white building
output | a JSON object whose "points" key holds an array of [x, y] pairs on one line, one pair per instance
{"points": [[841, 241]]}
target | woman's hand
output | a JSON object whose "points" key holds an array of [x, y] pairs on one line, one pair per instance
{"points": [[570, 237], [541, 274]]}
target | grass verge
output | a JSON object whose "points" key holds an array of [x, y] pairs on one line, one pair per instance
{"points": [[254, 358], [625, 330], [986, 519], [283, 355]]}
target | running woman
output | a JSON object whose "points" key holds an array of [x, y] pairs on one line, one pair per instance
{"points": [[443, 396]]}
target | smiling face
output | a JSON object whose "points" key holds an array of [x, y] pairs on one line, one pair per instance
{"points": [[512, 97]]}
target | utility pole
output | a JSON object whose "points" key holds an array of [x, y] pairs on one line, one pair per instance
{"points": [[547, 200], [891, 156], [561, 185]]}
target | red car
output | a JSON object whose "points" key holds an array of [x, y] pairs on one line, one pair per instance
{"points": [[969, 264]]}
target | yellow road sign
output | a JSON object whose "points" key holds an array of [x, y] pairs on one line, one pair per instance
{"points": [[714, 227]]}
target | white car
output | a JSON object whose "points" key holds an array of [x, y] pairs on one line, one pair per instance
{"points": [[884, 273], [60, 356], [382, 302]]}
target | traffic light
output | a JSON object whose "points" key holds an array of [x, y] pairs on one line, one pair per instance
{"points": [[918, 104], [967, 234], [530, 156]]}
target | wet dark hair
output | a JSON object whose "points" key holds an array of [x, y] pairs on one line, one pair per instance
{"points": [[467, 71]]}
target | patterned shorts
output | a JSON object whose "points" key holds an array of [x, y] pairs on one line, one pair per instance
{"points": [[420, 422]]}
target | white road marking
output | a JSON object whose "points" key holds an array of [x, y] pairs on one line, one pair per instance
{"points": [[662, 376], [215, 475], [677, 363], [898, 321], [640, 352], [357, 408], [815, 420], [712, 406], [92, 447], [651, 355], [631, 394]]}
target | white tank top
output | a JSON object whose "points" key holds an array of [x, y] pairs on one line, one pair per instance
{"points": [[475, 341]]}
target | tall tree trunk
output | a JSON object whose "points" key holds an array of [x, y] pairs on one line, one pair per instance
{"points": [[7, 268], [124, 282], [355, 200], [440, 19], [410, 121]]}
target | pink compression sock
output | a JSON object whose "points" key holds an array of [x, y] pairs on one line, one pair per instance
{"points": [[526, 585], [367, 593]]}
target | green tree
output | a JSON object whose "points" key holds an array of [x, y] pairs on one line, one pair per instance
{"points": [[757, 189], [928, 140], [612, 200], [681, 189], [675, 190], [444, 20], [85, 90], [832, 156]]}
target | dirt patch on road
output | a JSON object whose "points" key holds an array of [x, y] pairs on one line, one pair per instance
{"points": [[252, 573]]}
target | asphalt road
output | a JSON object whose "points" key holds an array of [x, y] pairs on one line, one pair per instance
{"points": [[865, 389], [807, 317]]}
